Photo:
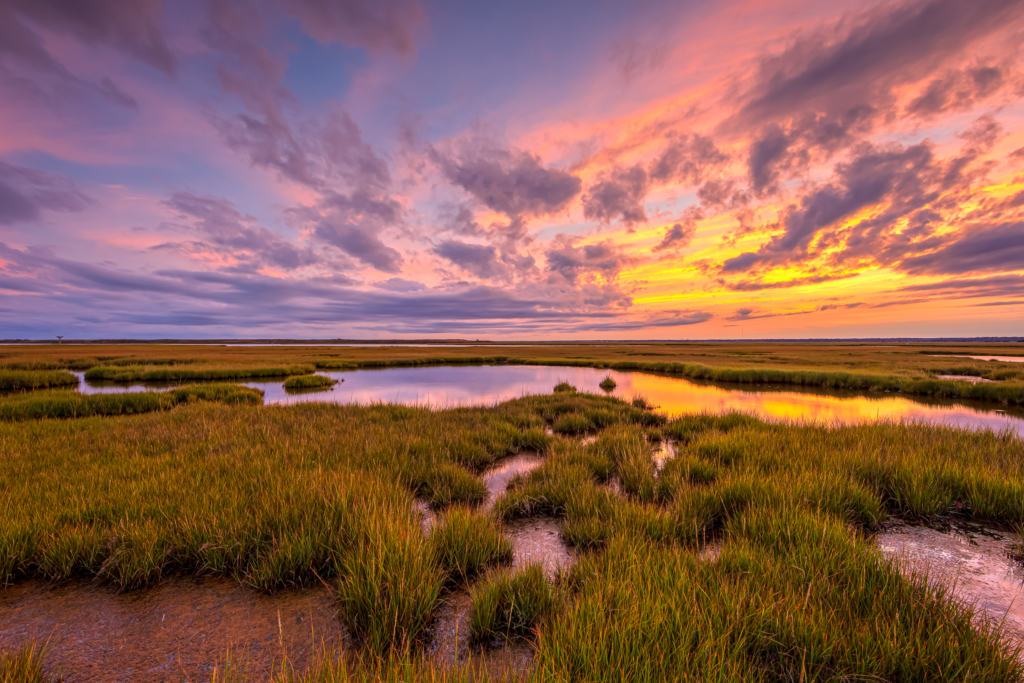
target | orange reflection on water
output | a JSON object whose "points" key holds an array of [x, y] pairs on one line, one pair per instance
{"points": [[676, 397]]}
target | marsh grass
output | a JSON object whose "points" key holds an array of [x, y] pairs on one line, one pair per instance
{"points": [[792, 596], [608, 384], [24, 665], [278, 496], [464, 543], [510, 604], [28, 380], [305, 382], [390, 583], [68, 404], [141, 374]]}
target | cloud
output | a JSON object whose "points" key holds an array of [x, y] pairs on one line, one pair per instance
{"points": [[397, 284], [25, 191], [758, 285], [478, 259], [681, 234], [859, 60], [874, 174], [574, 263], [131, 26], [676, 237], [687, 160], [959, 288], [360, 242], [741, 314], [957, 89], [225, 230], [375, 25], [618, 195], [978, 249], [512, 182]]}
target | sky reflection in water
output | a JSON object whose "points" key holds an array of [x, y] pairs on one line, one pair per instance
{"points": [[446, 386]]}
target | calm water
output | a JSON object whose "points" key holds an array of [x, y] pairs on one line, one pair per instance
{"points": [[1002, 359], [446, 386]]}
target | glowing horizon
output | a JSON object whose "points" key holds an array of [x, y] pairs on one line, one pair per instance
{"points": [[696, 170]]}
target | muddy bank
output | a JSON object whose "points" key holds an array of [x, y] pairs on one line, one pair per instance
{"points": [[496, 478], [534, 541], [176, 631], [974, 560]]}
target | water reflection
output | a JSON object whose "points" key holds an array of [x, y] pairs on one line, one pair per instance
{"points": [[1001, 359], [447, 386], [94, 387]]}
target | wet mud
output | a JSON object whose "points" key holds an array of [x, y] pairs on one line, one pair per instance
{"points": [[496, 479], [966, 378], [177, 631], [974, 560]]}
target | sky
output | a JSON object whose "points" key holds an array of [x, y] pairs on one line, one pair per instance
{"points": [[371, 169]]}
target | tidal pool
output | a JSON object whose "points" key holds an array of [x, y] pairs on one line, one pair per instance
{"points": [[973, 560], [448, 386]]}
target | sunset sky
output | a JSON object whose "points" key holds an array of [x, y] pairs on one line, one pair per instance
{"points": [[526, 170]]}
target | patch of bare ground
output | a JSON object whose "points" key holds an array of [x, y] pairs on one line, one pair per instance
{"points": [[176, 631]]}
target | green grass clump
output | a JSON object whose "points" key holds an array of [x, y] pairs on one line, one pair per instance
{"points": [[608, 384], [564, 388], [141, 374], [28, 380], [336, 365], [301, 382], [573, 423], [68, 404], [464, 543], [391, 582], [442, 484], [510, 604]]}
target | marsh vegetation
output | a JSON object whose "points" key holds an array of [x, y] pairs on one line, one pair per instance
{"points": [[279, 497]]}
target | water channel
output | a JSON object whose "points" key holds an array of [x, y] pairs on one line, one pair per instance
{"points": [[449, 386]]}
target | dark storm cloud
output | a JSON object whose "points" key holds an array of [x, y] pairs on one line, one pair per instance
{"points": [[980, 249], [376, 25], [857, 62], [222, 228], [512, 182], [24, 191]]}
